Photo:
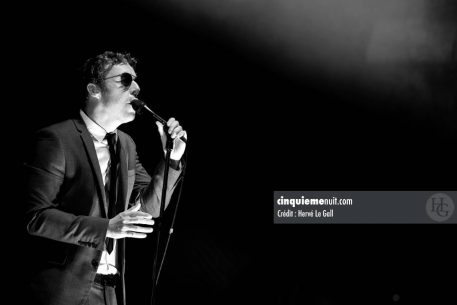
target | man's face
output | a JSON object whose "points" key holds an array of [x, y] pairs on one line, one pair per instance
{"points": [[116, 98]]}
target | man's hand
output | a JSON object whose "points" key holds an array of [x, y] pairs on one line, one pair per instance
{"points": [[125, 224], [176, 132]]}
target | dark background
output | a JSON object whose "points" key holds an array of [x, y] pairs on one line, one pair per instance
{"points": [[347, 95]]}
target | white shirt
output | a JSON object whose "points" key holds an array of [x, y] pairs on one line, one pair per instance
{"points": [[108, 261]]}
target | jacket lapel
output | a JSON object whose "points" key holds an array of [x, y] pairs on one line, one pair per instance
{"points": [[92, 155]]}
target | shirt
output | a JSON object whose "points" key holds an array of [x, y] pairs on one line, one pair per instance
{"points": [[98, 133]]}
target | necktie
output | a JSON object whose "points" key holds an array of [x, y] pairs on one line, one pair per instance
{"points": [[112, 183]]}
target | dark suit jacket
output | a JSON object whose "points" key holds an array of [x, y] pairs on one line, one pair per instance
{"points": [[66, 209]]}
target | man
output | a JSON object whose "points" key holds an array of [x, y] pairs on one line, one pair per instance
{"points": [[81, 177]]}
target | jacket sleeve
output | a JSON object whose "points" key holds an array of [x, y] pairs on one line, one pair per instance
{"points": [[44, 173], [148, 190]]}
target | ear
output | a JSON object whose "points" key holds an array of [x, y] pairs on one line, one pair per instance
{"points": [[94, 90]]}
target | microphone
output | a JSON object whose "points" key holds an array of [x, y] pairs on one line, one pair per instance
{"points": [[139, 105]]}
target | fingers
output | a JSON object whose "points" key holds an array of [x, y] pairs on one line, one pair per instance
{"points": [[134, 211], [174, 129], [134, 208], [137, 214], [131, 223], [138, 220], [137, 229], [182, 133], [160, 128], [137, 217], [132, 231], [135, 235], [134, 216]]}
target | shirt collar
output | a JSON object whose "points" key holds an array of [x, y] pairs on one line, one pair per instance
{"points": [[97, 131]]}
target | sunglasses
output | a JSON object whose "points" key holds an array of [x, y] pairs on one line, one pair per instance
{"points": [[126, 79]]}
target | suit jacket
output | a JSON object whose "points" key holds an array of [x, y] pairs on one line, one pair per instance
{"points": [[66, 209]]}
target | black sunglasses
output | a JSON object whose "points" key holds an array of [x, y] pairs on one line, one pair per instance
{"points": [[126, 79]]}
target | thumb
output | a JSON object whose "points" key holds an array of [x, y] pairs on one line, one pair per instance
{"points": [[160, 128], [135, 208]]}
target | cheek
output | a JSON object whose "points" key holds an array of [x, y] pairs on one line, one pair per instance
{"points": [[120, 99]]}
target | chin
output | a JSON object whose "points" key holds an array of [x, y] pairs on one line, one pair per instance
{"points": [[131, 111], [131, 116]]}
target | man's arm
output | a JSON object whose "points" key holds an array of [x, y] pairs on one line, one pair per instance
{"points": [[148, 190], [44, 177]]}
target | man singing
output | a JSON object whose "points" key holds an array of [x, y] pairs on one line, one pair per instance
{"points": [[86, 191]]}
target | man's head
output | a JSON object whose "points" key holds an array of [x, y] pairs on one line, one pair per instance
{"points": [[111, 86]]}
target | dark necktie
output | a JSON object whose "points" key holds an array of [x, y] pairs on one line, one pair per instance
{"points": [[112, 183]]}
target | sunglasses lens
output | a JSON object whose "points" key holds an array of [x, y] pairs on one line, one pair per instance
{"points": [[126, 79]]}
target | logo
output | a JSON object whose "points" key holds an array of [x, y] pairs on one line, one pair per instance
{"points": [[439, 207]]}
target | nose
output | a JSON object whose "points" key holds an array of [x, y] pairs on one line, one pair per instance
{"points": [[134, 88]]}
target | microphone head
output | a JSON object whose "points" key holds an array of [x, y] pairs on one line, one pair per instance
{"points": [[137, 105]]}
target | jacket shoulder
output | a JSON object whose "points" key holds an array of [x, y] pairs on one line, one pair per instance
{"points": [[63, 127]]}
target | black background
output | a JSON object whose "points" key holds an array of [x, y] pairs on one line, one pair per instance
{"points": [[256, 124]]}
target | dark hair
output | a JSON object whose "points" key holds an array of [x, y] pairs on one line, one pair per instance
{"points": [[95, 69]]}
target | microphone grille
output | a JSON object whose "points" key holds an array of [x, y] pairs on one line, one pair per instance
{"points": [[137, 104]]}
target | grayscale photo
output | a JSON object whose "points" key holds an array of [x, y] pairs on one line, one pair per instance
{"points": [[277, 152]]}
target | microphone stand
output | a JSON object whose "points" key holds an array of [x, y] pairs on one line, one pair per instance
{"points": [[138, 106], [155, 274], [157, 268]]}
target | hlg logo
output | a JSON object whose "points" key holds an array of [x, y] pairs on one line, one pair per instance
{"points": [[439, 207]]}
